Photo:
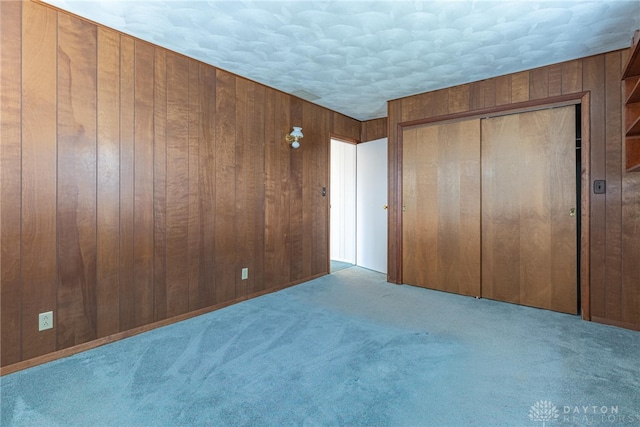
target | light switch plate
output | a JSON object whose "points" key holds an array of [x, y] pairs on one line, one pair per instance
{"points": [[599, 186]]}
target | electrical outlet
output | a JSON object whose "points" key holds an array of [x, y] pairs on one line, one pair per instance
{"points": [[245, 273], [45, 321]]}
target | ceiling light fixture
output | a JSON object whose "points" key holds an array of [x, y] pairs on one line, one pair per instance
{"points": [[294, 136]]}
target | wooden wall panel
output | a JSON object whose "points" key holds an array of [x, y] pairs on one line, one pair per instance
{"points": [[147, 180], [272, 195], [613, 203], [177, 164], [249, 186], [298, 158], [554, 87], [316, 176], [108, 200], [594, 81], [503, 90], [207, 188], [277, 185], [520, 87], [194, 244], [160, 185], [572, 77], [459, 99], [143, 182], [243, 185], [374, 129], [39, 176], [614, 251], [483, 94], [539, 83], [76, 204], [413, 107], [345, 127], [127, 295], [256, 201], [225, 227], [10, 184]]}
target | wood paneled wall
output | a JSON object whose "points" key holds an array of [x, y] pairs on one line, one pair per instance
{"points": [[615, 216], [374, 129], [136, 183]]}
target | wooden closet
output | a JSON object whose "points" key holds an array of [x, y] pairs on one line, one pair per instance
{"points": [[441, 211], [490, 210]]}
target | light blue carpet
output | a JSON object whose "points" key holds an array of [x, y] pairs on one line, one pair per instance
{"points": [[345, 350], [339, 265]]}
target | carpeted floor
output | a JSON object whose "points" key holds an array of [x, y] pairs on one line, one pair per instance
{"points": [[339, 265], [347, 349]]}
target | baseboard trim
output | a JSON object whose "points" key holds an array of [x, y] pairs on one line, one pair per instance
{"points": [[70, 351]]}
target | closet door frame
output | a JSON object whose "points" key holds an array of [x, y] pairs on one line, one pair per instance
{"points": [[395, 191]]}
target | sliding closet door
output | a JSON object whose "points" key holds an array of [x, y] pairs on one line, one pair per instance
{"points": [[441, 198], [529, 248]]}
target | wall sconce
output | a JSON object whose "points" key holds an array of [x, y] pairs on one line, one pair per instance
{"points": [[294, 136]]}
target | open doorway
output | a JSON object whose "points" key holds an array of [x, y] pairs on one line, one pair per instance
{"points": [[359, 205], [343, 205]]}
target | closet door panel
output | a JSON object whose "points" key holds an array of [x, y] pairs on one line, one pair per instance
{"points": [[500, 210], [529, 245], [441, 198]]}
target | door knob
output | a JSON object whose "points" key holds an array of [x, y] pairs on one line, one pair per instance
{"points": [[572, 212], [385, 207]]}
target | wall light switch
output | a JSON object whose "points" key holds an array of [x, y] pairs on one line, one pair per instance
{"points": [[245, 273]]}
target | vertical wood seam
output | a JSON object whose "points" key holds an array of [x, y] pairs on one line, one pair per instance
{"points": [[94, 321], [57, 276], [20, 280], [133, 182], [119, 181]]}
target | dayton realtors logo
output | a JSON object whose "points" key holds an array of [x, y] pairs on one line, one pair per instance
{"points": [[544, 411]]}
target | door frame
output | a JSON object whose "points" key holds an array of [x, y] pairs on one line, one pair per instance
{"points": [[331, 194], [346, 140], [395, 191]]}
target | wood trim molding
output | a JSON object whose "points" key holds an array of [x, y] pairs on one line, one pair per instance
{"points": [[501, 110], [397, 216], [348, 140], [585, 207]]}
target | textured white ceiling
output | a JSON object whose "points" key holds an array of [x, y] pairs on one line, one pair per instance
{"points": [[355, 55]]}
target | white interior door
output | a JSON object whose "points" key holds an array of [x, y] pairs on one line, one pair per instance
{"points": [[371, 183], [343, 202]]}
